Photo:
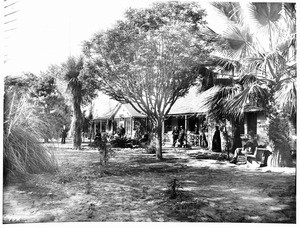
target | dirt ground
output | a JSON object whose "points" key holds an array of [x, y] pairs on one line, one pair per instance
{"points": [[134, 186]]}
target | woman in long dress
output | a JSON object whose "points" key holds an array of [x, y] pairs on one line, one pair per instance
{"points": [[216, 142]]}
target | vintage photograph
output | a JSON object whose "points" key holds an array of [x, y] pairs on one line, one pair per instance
{"points": [[149, 111]]}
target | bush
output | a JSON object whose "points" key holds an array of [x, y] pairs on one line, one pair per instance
{"points": [[121, 142], [23, 151], [151, 148], [280, 138]]}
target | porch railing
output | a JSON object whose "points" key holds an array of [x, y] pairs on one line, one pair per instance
{"points": [[190, 138]]}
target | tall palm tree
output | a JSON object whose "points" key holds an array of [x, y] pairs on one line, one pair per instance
{"points": [[260, 42], [72, 69]]}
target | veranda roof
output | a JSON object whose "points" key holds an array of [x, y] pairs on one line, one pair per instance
{"points": [[133, 112], [103, 107], [193, 102]]}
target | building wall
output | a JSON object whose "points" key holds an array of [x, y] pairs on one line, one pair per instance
{"points": [[262, 129]]}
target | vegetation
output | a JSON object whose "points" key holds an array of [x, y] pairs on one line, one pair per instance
{"points": [[151, 65], [23, 152], [259, 48], [48, 103], [71, 70]]}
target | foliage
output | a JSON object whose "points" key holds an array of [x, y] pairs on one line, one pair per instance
{"points": [[151, 148], [279, 136], [121, 142], [47, 103], [260, 43], [164, 13], [149, 67], [105, 150], [82, 87], [173, 188], [52, 105], [23, 153]]}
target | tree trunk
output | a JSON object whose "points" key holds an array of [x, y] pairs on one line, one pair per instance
{"points": [[159, 140], [77, 125]]}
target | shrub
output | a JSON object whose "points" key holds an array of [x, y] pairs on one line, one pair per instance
{"points": [[121, 142], [23, 151], [280, 138]]}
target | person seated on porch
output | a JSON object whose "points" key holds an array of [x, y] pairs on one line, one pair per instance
{"points": [[249, 149]]}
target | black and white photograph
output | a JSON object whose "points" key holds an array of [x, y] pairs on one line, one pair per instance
{"points": [[148, 112]]}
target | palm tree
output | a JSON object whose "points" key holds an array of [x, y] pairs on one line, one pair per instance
{"points": [[72, 69], [259, 40]]}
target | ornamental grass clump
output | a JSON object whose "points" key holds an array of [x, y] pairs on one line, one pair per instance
{"points": [[23, 151]]}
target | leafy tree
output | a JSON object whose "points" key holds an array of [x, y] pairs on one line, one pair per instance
{"points": [[52, 107], [47, 103], [150, 70], [166, 13], [259, 42], [83, 87]]}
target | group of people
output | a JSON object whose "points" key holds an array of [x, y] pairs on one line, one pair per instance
{"points": [[178, 134]]}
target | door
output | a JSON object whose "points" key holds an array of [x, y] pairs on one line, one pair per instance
{"points": [[252, 122]]}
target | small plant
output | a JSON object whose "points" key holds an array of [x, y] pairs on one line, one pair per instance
{"points": [[151, 148], [105, 150], [64, 178], [88, 187], [119, 142], [91, 210], [173, 188]]}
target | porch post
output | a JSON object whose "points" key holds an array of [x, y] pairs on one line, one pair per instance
{"points": [[185, 122], [245, 124], [131, 126]]}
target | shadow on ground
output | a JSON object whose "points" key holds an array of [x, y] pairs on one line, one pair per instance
{"points": [[134, 186]]}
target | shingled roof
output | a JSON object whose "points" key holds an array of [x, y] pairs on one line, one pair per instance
{"points": [[193, 102], [133, 112], [103, 107]]}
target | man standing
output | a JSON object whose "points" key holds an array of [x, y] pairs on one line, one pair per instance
{"points": [[181, 136], [175, 134], [63, 135]]}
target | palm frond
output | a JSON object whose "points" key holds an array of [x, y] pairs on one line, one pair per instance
{"points": [[216, 102], [253, 95], [262, 14], [286, 97]]}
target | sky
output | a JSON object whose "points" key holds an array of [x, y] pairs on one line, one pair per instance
{"points": [[48, 31]]}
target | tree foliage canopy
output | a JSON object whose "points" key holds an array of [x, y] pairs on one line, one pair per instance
{"points": [[46, 103], [149, 60], [259, 41]]}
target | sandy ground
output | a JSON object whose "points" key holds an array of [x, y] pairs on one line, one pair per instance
{"points": [[133, 186]]}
